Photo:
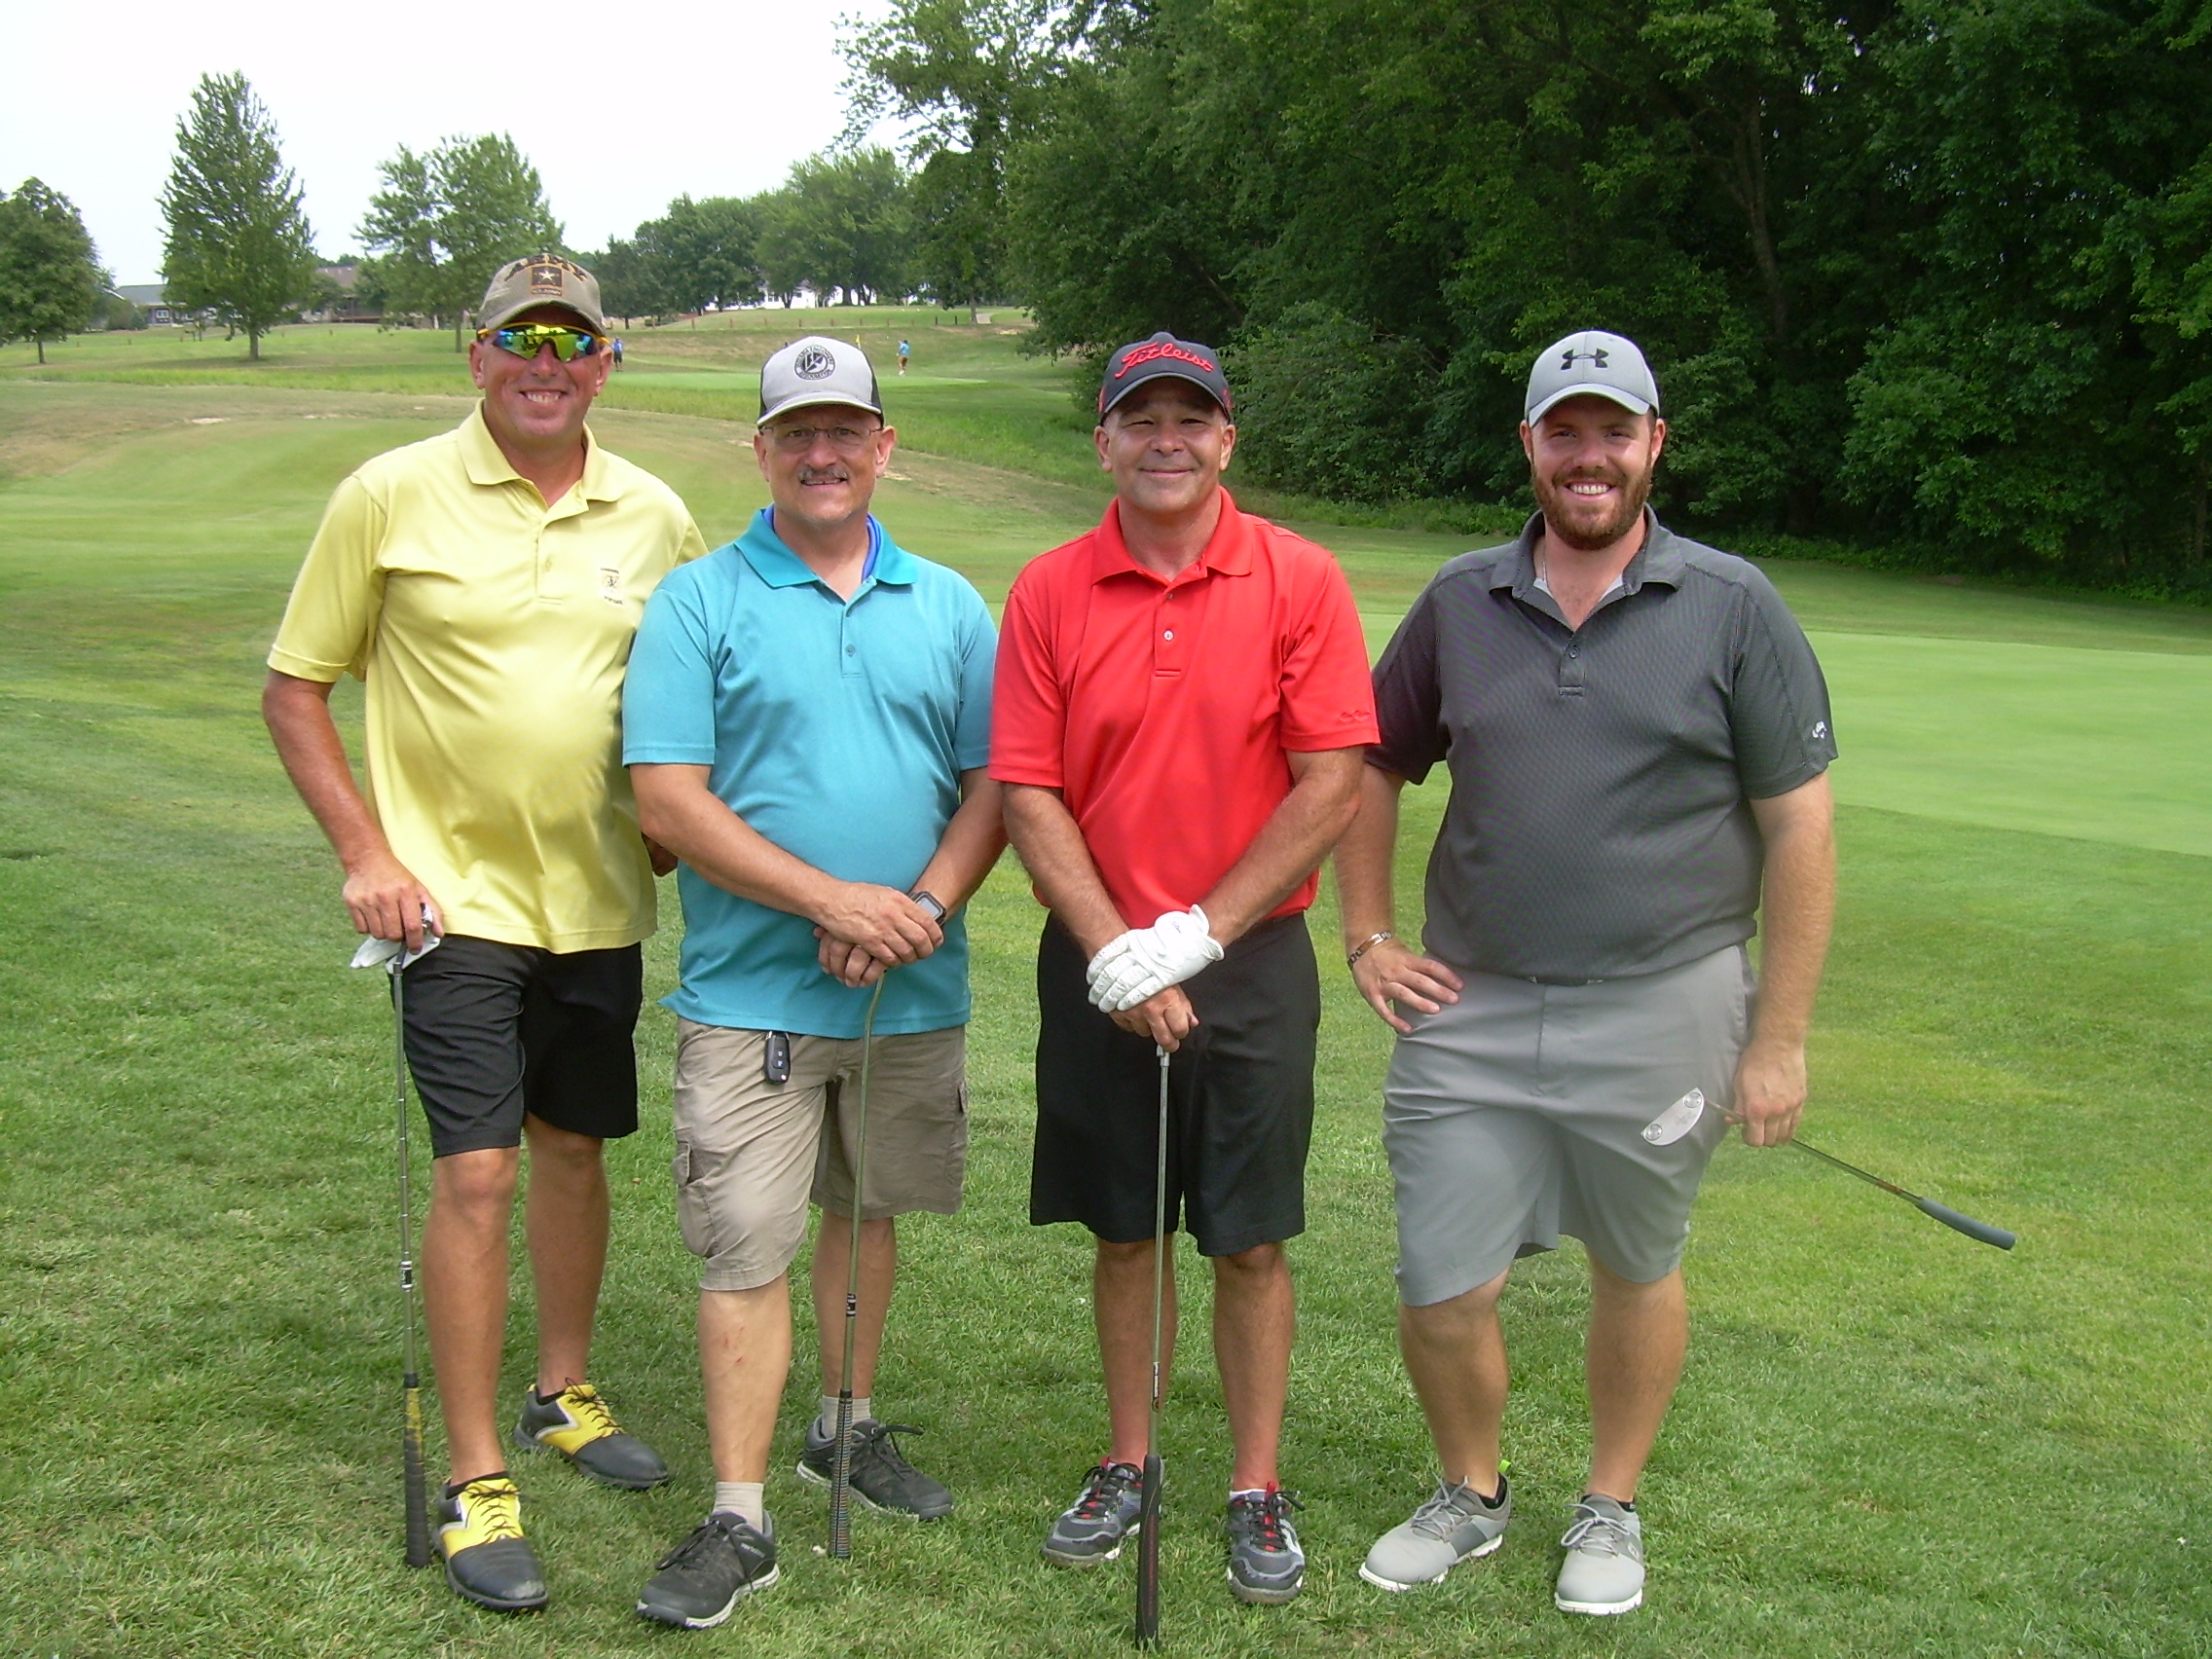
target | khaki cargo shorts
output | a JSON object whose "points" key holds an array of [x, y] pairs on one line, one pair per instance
{"points": [[750, 1154]]}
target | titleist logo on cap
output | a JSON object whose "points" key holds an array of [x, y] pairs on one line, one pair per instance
{"points": [[1153, 351]]}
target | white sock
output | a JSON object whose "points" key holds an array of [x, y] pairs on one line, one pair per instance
{"points": [[825, 1425], [1255, 1494], [741, 1497]]}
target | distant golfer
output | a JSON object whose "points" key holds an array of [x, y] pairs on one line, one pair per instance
{"points": [[1639, 740], [485, 584], [905, 351], [1183, 706], [808, 723]]}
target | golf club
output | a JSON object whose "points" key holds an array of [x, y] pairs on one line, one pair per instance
{"points": [[411, 1432], [842, 1459], [392, 955], [1949, 1217], [1148, 1523]]}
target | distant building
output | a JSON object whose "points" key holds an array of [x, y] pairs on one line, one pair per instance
{"points": [[152, 299], [338, 282], [341, 282]]}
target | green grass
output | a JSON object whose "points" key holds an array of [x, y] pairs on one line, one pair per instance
{"points": [[1890, 1441]]}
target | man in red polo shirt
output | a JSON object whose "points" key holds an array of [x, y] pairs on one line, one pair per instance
{"points": [[1182, 704]]}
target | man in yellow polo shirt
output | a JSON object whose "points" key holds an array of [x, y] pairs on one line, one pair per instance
{"points": [[486, 585]]}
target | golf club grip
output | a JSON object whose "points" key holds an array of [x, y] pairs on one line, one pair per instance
{"points": [[410, 1479], [841, 1474], [1147, 1552], [1967, 1224]]}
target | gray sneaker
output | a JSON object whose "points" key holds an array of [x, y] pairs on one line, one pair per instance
{"points": [[881, 1477], [1265, 1563], [1604, 1569], [1094, 1527], [1453, 1526]]}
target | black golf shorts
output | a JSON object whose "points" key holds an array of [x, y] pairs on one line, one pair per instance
{"points": [[495, 1031], [1241, 1099]]}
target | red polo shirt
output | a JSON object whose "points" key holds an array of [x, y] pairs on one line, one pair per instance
{"points": [[1161, 710]]}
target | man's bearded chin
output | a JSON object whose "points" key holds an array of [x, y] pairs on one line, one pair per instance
{"points": [[1555, 502]]}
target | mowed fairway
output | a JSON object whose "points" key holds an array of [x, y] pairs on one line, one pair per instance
{"points": [[1890, 1440]]}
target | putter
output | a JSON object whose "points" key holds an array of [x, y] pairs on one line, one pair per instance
{"points": [[842, 1459], [411, 1431], [1949, 1217], [391, 956], [1148, 1523]]}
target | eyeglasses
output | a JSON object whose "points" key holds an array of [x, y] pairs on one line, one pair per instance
{"points": [[529, 339], [845, 440]]}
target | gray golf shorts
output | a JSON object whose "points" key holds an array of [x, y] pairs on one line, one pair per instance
{"points": [[750, 1154], [1519, 1113]]}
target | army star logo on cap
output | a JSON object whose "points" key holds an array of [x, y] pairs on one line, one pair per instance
{"points": [[813, 364], [547, 280]]}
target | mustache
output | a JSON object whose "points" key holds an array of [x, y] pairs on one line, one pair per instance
{"points": [[825, 475]]}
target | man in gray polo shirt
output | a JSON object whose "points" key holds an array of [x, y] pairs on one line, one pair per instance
{"points": [[1638, 736]]}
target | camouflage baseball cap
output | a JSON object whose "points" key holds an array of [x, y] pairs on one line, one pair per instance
{"points": [[544, 279]]}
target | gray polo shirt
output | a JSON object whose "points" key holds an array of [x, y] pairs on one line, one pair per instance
{"points": [[1600, 822]]}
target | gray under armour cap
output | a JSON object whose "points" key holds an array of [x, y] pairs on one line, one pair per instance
{"points": [[813, 371], [1593, 362]]}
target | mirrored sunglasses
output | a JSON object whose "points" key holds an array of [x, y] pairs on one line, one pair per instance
{"points": [[527, 340]]}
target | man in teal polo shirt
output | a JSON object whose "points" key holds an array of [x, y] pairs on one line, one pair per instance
{"points": [[807, 722]]}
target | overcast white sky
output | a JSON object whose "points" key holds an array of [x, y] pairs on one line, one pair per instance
{"points": [[620, 119]]}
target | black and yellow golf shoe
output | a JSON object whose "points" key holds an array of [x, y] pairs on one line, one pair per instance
{"points": [[488, 1560], [576, 1423]]}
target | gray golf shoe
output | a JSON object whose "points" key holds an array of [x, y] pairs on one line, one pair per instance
{"points": [[881, 1477], [1453, 1526], [1604, 1569], [1094, 1527], [1265, 1565]]}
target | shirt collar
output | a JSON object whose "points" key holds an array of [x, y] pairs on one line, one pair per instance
{"points": [[775, 563], [1659, 560], [488, 463], [1228, 551]]}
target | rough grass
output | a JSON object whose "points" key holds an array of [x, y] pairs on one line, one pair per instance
{"points": [[1890, 1441]]}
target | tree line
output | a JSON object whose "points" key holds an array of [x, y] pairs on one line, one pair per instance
{"points": [[1930, 272], [239, 250]]}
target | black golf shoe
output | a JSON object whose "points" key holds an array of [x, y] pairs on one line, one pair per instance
{"points": [[576, 1423], [488, 1560], [882, 1478], [1102, 1518], [1265, 1563], [700, 1580]]}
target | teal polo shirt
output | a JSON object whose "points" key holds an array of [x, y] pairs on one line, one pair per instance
{"points": [[839, 729]]}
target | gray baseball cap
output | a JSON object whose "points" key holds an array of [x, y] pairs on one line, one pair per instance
{"points": [[818, 370], [1593, 362]]}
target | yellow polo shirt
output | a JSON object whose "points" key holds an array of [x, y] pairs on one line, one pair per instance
{"points": [[493, 632]]}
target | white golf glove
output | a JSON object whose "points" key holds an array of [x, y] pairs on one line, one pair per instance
{"points": [[1145, 961]]}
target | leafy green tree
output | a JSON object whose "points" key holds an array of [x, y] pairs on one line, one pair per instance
{"points": [[238, 246], [448, 218], [970, 77], [840, 226], [50, 285]]}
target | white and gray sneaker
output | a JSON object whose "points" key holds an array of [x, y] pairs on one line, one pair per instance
{"points": [[1604, 1569], [1453, 1526]]}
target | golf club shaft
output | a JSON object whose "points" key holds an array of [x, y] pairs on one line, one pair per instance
{"points": [[411, 1431], [841, 1454], [1949, 1217], [1148, 1534]]}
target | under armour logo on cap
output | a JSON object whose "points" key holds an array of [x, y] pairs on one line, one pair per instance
{"points": [[1591, 363]]}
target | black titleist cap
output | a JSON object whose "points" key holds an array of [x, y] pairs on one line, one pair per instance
{"points": [[1163, 355]]}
